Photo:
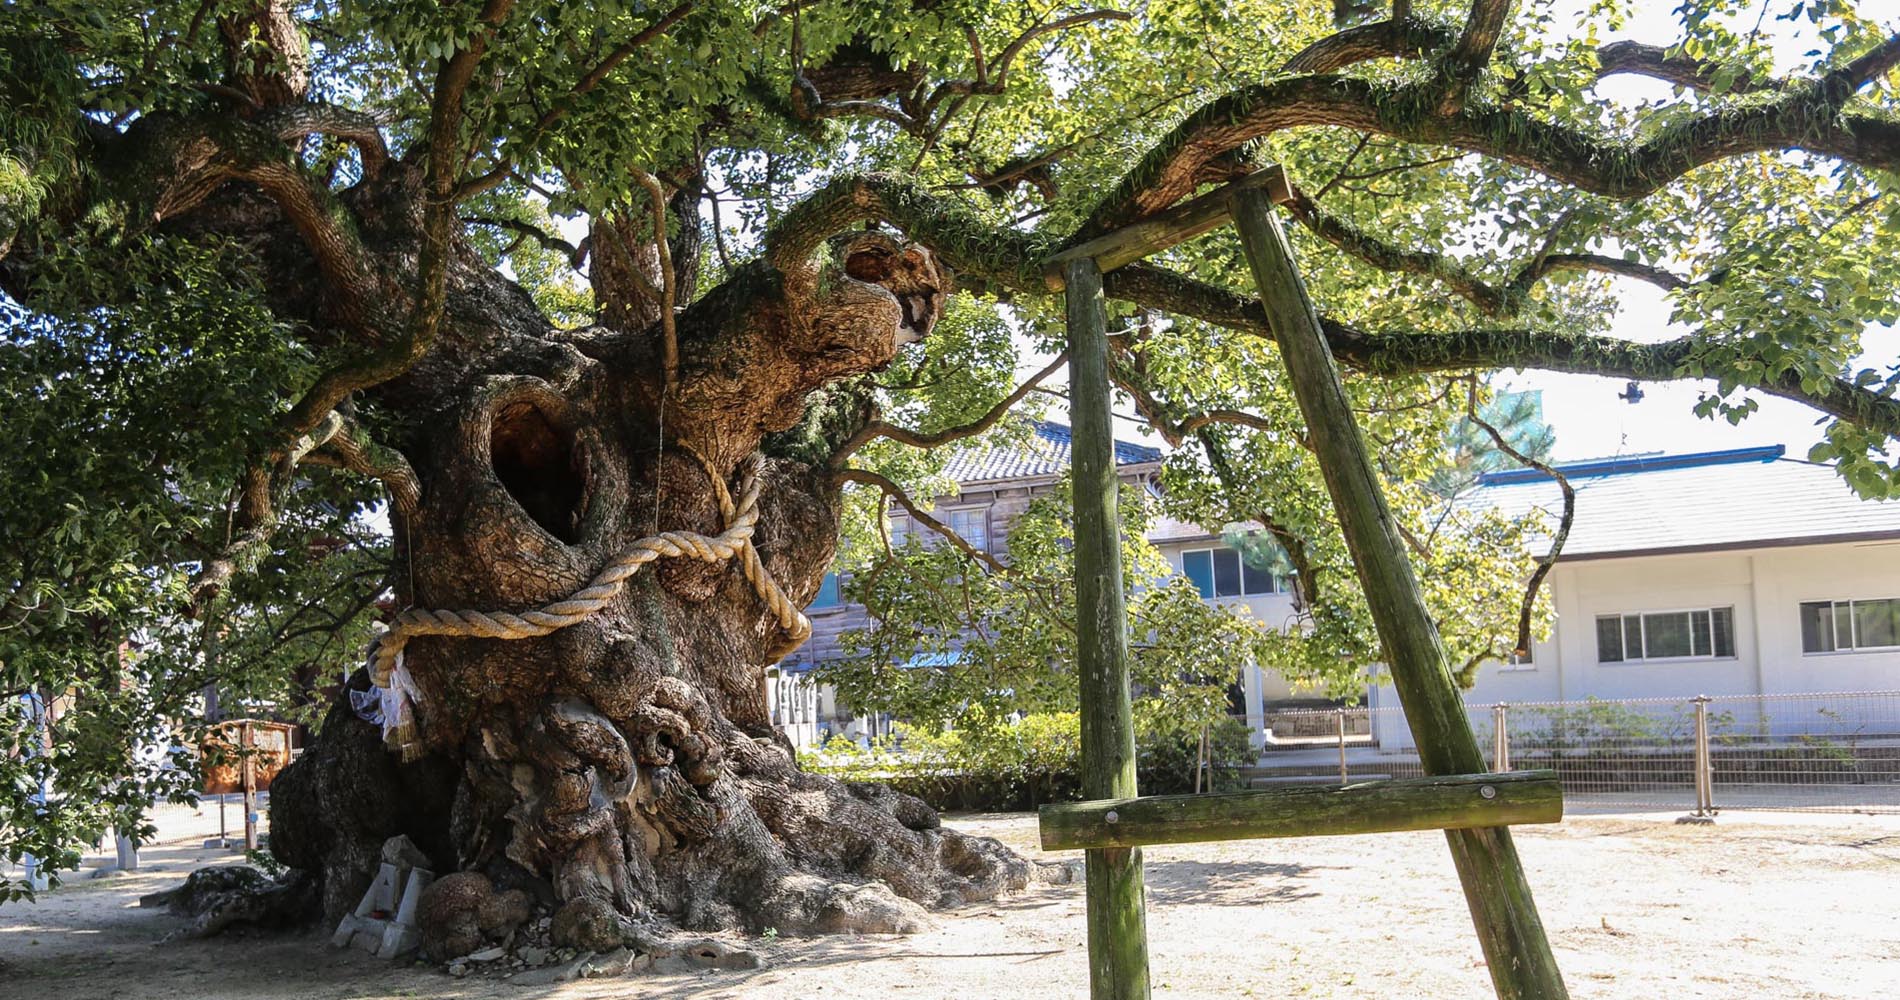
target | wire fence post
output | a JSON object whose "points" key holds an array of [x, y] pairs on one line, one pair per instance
{"points": [[1339, 717], [1704, 761], [1500, 739], [247, 742], [1203, 763]]}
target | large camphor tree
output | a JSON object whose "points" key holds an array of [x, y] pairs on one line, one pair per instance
{"points": [[542, 281]]}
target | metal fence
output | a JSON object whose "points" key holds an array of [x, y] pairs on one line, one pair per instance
{"points": [[1821, 752]]}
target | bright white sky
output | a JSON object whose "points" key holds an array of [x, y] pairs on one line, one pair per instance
{"points": [[1591, 422]]}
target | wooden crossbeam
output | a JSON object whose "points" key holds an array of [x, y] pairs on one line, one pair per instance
{"points": [[1458, 802], [1165, 229]]}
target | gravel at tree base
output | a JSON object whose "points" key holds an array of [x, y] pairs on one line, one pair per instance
{"points": [[1785, 907]]}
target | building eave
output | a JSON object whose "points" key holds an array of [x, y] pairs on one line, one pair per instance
{"points": [[1844, 538]]}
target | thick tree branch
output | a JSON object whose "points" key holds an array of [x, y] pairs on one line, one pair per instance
{"points": [[313, 420], [1840, 84], [180, 162], [972, 247], [267, 58], [1459, 68], [352, 448], [1548, 263], [1606, 164], [1401, 352], [1010, 261], [1655, 62], [1402, 37]]}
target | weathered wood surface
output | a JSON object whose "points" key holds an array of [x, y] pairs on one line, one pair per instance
{"points": [[1450, 803], [1519, 956], [1117, 927], [1165, 229]]}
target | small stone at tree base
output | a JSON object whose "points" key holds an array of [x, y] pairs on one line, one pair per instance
{"points": [[614, 963]]}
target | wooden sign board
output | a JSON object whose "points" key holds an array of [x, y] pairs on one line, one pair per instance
{"points": [[224, 764]]}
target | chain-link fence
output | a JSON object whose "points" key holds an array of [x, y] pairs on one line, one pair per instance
{"points": [[1823, 752]]}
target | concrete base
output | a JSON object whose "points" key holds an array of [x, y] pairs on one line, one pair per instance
{"points": [[384, 923]]}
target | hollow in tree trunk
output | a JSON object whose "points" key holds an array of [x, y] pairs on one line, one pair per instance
{"points": [[625, 768]]}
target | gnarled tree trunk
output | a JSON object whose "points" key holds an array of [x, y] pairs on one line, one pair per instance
{"points": [[625, 766]]}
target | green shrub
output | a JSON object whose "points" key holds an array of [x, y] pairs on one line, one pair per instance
{"points": [[1021, 763]]}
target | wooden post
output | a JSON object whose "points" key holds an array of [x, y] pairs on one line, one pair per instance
{"points": [[1165, 229], [1522, 966], [248, 768], [1118, 933], [1339, 721], [1464, 801]]}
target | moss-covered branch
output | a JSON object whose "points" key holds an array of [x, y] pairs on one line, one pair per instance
{"points": [[1008, 261], [1401, 352], [971, 246], [1604, 163]]}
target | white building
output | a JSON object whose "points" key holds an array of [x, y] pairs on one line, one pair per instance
{"points": [[1739, 572], [1735, 572]]}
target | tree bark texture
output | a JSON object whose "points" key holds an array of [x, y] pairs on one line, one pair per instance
{"points": [[624, 768]]}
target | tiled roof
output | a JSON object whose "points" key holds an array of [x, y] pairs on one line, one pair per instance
{"points": [[1744, 497], [1044, 455]]}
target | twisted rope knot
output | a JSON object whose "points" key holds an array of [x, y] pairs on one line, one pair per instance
{"points": [[400, 693]]}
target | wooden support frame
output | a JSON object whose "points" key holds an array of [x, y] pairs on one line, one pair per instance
{"points": [[1456, 802], [1117, 921], [1163, 230], [1516, 949], [1111, 828]]}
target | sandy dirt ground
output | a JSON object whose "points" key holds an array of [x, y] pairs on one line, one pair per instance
{"points": [[1756, 906]]}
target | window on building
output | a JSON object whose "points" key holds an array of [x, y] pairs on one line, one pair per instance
{"points": [[1519, 661], [1832, 626], [1223, 573], [972, 524], [1695, 634], [827, 594]]}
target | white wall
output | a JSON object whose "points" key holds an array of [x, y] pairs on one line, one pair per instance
{"points": [[1786, 577], [1765, 587]]}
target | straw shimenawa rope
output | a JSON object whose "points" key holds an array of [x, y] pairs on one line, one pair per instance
{"points": [[741, 519]]}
